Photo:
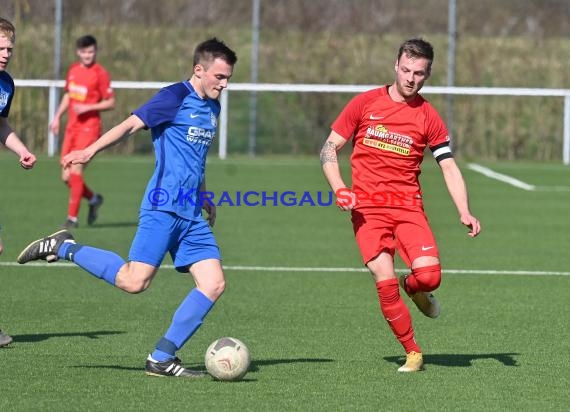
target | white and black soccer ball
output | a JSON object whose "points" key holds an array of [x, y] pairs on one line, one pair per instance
{"points": [[227, 359]]}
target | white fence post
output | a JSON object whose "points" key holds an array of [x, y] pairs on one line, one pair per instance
{"points": [[566, 136], [52, 139], [223, 145]]}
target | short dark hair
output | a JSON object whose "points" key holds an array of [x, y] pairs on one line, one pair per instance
{"points": [[417, 47], [86, 41], [212, 49]]}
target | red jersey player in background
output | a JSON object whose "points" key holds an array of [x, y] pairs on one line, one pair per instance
{"points": [[390, 127], [87, 92]]}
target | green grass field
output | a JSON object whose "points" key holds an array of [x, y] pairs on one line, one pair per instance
{"points": [[317, 337]]}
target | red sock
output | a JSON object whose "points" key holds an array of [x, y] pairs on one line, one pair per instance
{"points": [[87, 193], [425, 279], [396, 313], [75, 184]]}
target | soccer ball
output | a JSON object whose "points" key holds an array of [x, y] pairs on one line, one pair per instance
{"points": [[227, 359]]}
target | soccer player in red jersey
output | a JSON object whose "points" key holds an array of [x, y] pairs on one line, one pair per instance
{"points": [[87, 92], [390, 127]]}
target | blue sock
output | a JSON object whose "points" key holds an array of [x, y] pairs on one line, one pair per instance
{"points": [[100, 263], [185, 322]]}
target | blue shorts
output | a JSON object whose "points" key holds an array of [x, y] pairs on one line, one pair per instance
{"points": [[188, 241]]}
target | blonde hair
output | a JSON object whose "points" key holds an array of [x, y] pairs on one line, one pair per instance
{"points": [[7, 29]]}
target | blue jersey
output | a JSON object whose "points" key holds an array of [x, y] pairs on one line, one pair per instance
{"points": [[183, 126], [6, 93]]}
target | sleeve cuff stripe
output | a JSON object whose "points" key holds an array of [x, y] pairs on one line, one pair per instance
{"points": [[442, 150]]}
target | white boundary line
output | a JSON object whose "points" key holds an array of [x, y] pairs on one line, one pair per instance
{"points": [[514, 182], [552, 188], [501, 177], [321, 269]]}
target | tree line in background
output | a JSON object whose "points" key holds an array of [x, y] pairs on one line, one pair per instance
{"points": [[509, 43]]}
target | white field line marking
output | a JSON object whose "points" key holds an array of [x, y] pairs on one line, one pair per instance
{"points": [[501, 177], [515, 182], [552, 188], [321, 269]]}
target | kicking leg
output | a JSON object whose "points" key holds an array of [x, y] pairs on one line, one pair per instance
{"points": [[132, 277]]}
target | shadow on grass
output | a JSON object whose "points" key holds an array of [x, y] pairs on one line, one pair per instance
{"points": [[460, 360], [140, 369], [256, 364], [39, 337], [254, 367]]}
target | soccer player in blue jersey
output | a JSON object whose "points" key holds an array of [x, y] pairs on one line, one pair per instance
{"points": [[182, 118], [7, 136]]}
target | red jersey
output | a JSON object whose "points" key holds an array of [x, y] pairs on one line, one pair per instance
{"points": [[86, 85], [389, 139]]}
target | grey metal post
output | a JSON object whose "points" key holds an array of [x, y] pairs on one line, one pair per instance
{"points": [[53, 90], [452, 38], [254, 76]]}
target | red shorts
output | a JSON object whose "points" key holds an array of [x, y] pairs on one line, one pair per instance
{"points": [[388, 229], [78, 138]]}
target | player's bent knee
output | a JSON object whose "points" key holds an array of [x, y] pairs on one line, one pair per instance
{"points": [[428, 277], [134, 287], [218, 289], [132, 284], [209, 278], [65, 173], [213, 290]]}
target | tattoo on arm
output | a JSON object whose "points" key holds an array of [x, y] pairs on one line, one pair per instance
{"points": [[328, 153]]}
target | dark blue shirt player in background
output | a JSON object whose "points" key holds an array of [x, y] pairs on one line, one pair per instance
{"points": [[8, 137]]}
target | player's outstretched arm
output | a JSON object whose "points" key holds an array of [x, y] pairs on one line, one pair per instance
{"points": [[129, 126], [9, 139], [458, 191], [329, 163]]}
